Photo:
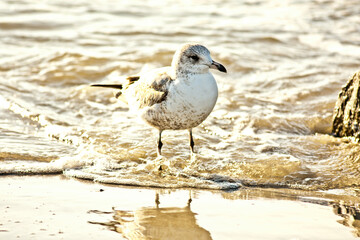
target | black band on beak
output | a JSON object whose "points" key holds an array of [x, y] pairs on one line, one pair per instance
{"points": [[218, 66]]}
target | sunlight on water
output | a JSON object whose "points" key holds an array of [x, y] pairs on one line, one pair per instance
{"points": [[286, 63]]}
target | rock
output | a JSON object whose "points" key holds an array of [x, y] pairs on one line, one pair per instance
{"points": [[346, 116]]}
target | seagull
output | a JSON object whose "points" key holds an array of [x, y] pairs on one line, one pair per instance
{"points": [[179, 97]]}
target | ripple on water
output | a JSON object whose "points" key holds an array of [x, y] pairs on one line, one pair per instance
{"points": [[271, 124]]}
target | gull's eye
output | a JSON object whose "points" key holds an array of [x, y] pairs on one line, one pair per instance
{"points": [[194, 57]]}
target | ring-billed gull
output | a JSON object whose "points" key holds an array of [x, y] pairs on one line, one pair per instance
{"points": [[179, 97]]}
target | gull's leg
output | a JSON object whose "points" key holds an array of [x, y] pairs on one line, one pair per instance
{"points": [[190, 199], [191, 141], [157, 199], [159, 144]]}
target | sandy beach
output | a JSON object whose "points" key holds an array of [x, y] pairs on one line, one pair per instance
{"points": [[55, 207]]}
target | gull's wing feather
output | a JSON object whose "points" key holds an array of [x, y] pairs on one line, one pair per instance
{"points": [[151, 88]]}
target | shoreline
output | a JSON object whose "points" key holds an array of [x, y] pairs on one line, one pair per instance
{"points": [[56, 207]]}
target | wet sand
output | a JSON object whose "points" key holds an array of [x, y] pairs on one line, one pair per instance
{"points": [[55, 207]]}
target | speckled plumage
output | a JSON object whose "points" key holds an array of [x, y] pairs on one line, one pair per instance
{"points": [[177, 97]]}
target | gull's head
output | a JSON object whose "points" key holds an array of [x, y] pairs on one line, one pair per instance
{"points": [[194, 58]]}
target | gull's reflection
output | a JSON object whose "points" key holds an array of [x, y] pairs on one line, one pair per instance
{"points": [[158, 223]]}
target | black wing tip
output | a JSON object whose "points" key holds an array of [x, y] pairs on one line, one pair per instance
{"points": [[117, 86]]}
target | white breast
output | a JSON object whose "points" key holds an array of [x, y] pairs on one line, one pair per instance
{"points": [[196, 95], [188, 103]]}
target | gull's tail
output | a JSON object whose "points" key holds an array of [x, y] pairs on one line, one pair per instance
{"points": [[130, 80]]}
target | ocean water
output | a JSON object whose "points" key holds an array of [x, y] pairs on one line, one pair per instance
{"points": [[271, 126]]}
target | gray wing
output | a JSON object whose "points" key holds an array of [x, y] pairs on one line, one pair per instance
{"points": [[151, 88]]}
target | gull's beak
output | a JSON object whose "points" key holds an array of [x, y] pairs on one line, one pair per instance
{"points": [[218, 66]]}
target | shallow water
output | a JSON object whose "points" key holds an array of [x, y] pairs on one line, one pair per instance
{"points": [[271, 126]]}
